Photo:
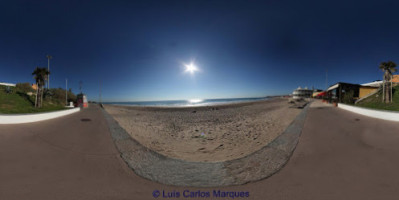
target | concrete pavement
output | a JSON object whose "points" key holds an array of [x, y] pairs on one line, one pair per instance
{"points": [[340, 155]]}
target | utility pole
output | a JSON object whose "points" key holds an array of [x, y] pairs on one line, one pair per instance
{"points": [[48, 68], [100, 93], [383, 88], [391, 88], [326, 79], [66, 92], [80, 86]]}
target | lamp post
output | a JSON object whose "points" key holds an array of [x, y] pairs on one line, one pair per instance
{"points": [[391, 88], [99, 99], [66, 92], [80, 86], [48, 68], [326, 79]]}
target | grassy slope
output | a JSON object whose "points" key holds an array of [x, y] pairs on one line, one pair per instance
{"points": [[18, 102], [375, 101]]}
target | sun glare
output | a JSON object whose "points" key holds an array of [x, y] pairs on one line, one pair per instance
{"points": [[195, 100], [191, 68]]}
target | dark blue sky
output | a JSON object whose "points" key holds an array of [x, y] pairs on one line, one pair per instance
{"points": [[243, 48]]}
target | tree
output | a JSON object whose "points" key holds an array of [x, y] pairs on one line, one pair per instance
{"points": [[389, 68], [41, 75], [59, 94]]}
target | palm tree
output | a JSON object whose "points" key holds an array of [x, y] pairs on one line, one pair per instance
{"points": [[41, 75], [388, 68]]}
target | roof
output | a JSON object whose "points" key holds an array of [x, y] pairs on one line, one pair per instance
{"points": [[340, 83], [303, 89], [333, 87], [369, 86], [395, 78], [373, 84]]}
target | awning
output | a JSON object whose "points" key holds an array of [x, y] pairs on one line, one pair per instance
{"points": [[321, 94]]}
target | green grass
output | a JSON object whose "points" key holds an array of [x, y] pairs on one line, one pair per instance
{"points": [[18, 102], [375, 101]]}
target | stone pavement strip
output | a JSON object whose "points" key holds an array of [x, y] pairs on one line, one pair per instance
{"points": [[171, 171]]}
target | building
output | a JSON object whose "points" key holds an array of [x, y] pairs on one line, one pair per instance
{"points": [[34, 86], [8, 84], [395, 79], [82, 100], [367, 90], [345, 92], [301, 93], [376, 83]]}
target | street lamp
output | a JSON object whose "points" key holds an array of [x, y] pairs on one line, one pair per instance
{"points": [[66, 92]]}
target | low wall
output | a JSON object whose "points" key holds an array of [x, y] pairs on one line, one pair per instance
{"points": [[157, 167], [379, 114], [27, 118]]}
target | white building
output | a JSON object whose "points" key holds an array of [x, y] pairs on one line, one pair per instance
{"points": [[8, 84], [301, 93], [373, 84]]}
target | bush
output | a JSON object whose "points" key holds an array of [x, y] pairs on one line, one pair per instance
{"points": [[348, 97], [24, 87], [71, 96], [58, 94]]}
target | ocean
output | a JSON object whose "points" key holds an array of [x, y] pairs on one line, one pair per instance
{"points": [[187, 103]]}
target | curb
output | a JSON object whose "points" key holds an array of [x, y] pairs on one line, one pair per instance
{"points": [[379, 114], [28, 118], [253, 167]]}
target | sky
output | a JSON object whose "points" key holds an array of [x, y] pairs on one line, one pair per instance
{"points": [[137, 50]]}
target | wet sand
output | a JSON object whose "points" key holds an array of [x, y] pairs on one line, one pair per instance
{"points": [[209, 133]]}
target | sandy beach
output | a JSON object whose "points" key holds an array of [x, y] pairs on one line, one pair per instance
{"points": [[209, 133]]}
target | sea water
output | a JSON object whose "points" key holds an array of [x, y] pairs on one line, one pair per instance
{"points": [[186, 103]]}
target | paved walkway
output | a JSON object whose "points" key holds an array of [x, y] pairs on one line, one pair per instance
{"points": [[340, 155]]}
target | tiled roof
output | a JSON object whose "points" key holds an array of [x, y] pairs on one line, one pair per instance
{"points": [[395, 79]]}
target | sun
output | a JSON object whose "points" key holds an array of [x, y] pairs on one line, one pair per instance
{"points": [[191, 68]]}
